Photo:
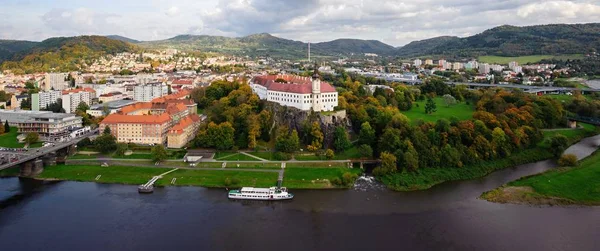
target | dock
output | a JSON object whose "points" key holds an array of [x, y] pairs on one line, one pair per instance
{"points": [[149, 186]]}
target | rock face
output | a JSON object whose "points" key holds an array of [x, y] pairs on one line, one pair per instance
{"points": [[295, 119]]}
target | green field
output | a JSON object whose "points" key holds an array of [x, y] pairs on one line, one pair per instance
{"points": [[573, 135], [315, 178], [216, 178], [263, 155], [112, 174], [237, 157], [462, 111], [351, 153], [9, 139], [246, 165], [579, 185], [525, 59]]}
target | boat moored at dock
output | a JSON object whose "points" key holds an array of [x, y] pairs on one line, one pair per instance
{"points": [[251, 193]]}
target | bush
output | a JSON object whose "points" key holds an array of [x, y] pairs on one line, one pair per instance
{"points": [[329, 154], [282, 156], [336, 181], [567, 160], [349, 178], [558, 144]]}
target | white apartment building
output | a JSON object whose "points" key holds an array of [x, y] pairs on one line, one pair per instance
{"points": [[41, 100], [55, 81], [303, 93], [146, 93], [418, 62], [484, 68], [72, 99]]}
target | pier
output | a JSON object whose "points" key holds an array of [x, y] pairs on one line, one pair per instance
{"points": [[149, 186]]}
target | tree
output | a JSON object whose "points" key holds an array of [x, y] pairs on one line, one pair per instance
{"points": [[449, 100], [316, 137], [2, 130], [340, 139], [31, 138], [329, 154], [82, 107], [26, 104], [158, 153], [106, 142], [121, 149], [388, 164], [365, 151], [366, 134], [567, 160], [430, 106], [558, 144], [286, 141], [6, 126]]}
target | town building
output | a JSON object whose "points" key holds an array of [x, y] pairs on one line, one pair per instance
{"points": [[145, 93], [110, 107], [428, 62], [303, 93], [55, 81], [42, 100], [72, 98], [50, 126], [484, 68], [156, 121], [418, 62], [15, 101]]}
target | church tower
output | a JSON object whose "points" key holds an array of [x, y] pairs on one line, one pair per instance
{"points": [[316, 91]]}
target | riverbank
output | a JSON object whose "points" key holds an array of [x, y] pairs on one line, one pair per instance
{"points": [[294, 177], [563, 186], [426, 178]]}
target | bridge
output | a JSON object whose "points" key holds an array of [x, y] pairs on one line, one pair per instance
{"points": [[588, 120], [32, 161]]}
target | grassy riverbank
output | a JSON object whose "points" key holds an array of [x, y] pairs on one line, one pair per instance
{"points": [[429, 177], [562, 186], [234, 176]]}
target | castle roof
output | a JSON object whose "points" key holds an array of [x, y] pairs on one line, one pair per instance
{"points": [[293, 84]]}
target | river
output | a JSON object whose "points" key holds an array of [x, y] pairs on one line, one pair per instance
{"points": [[37, 215]]}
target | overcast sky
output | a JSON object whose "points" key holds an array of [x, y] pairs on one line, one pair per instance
{"points": [[393, 22]]}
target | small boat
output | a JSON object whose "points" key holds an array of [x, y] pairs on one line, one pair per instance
{"points": [[251, 193], [145, 189]]}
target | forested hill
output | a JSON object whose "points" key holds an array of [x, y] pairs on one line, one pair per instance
{"points": [[265, 44], [512, 41], [60, 53]]}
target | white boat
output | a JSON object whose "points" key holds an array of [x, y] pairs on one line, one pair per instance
{"points": [[251, 193]]}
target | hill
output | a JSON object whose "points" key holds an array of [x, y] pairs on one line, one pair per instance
{"points": [[124, 39], [265, 44], [512, 41], [8, 48], [63, 53]]}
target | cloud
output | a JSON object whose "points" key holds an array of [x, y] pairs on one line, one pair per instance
{"points": [[391, 21]]}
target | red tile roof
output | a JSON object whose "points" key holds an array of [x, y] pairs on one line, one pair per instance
{"points": [[184, 123], [90, 90], [136, 119], [178, 95], [295, 84], [183, 82]]}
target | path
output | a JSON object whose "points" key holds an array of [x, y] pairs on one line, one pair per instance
{"points": [[75, 162], [150, 183], [256, 157]]}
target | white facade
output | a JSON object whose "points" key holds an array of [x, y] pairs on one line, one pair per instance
{"points": [[145, 93], [72, 100], [418, 62], [41, 100], [484, 68], [55, 81], [313, 99]]}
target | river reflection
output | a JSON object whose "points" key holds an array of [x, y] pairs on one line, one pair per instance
{"points": [[87, 216]]}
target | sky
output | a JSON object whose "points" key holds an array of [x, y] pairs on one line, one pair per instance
{"points": [[393, 22]]}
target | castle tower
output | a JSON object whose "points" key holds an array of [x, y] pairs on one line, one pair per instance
{"points": [[316, 91]]}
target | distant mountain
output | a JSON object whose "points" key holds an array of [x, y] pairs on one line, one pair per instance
{"points": [[512, 41], [124, 39], [265, 44], [8, 48], [63, 53]]}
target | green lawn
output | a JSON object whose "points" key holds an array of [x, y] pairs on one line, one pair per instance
{"points": [[462, 111], [525, 59], [237, 157], [351, 153], [263, 155], [246, 165], [9, 139], [112, 174], [573, 135], [316, 164], [216, 178], [578, 184], [219, 155], [314, 177]]}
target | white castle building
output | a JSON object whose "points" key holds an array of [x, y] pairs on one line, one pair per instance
{"points": [[304, 93]]}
